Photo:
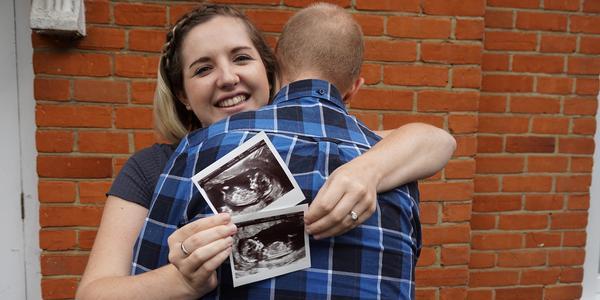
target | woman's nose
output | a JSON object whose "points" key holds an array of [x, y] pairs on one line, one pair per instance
{"points": [[228, 77]]}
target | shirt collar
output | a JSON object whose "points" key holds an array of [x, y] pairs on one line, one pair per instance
{"points": [[313, 88]]}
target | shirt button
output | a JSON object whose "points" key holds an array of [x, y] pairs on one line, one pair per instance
{"points": [[321, 92]]}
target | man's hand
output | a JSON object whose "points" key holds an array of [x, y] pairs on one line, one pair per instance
{"points": [[351, 187]]}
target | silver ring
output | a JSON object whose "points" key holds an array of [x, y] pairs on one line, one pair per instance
{"points": [[185, 252], [353, 215]]}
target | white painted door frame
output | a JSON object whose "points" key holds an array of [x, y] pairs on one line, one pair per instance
{"points": [[591, 267]]}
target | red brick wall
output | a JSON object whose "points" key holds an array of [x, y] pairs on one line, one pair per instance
{"points": [[514, 81]]}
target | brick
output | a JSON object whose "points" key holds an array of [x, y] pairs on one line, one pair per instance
{"points": [[453, 293], [93, 191], [142, 92], [419, 27], [466, 77], [462, 124], [489, 144], [100, 91], [507, 83], [469, 29], [531, 144], [97, 11], [541, 105], [554, 85], [584, 65], [544, 202], [176, 11], [538, 64], [576, 145], [569, 220], [584, 126], [146, 40], [519, 293], [520, 258], [585, 24], [581, 164], [454, 7], [482, 222], [550, 125], [386, 50], [446, 234], [566, 257], [61, 264], [542, 239], [574, 238], [56, 191], [500, 164], [54, 141], [485, 184], [383, 99], [503, 124], [74, 167], [415, 75], [570, 275], [589, 45], [70, 216], [371, 73], [269, 20], [578, 202], [451, 53], [71, 63], [558, 43], [580, 106], [527, 184], [51, 89], [492, 103], [134, 117], [86, 239], [495, 62], [442, 276], [499, 18], [428, 257], [496, 203], [428, 212], [547, 164], [541, 21], [102, 38], [389, 5], [479, 294], [144, 139], [138, 14], [504, 40], [591, 6], [523, 221], [586, 86], [136, 66], [103, 142], [561, 5], [455, 255], [446, 191], [447, 101], [573, 183], [370, 119], [515, 3], [73, 116], [465, 146], [370, 24], [426, 294], [493, 278], [59, 288], [342, 3], [57, 239], [563, 292], [540, 276], [456, 212], [482, 260]]}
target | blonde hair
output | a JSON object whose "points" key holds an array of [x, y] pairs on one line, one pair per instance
{"points": [[171, 118], [322, 38]]}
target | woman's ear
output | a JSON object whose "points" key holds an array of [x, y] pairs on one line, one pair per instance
{"points": [[183, 99], [353, 89]]}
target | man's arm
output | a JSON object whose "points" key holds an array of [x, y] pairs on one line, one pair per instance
{"points": [[408, 153]]}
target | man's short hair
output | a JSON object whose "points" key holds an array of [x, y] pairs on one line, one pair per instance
{"points": [[323, 39]]}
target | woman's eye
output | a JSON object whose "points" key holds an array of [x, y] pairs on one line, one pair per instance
{"points": [[242, 58], [202, 70]]}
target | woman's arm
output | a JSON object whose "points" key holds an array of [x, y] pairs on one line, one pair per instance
{"points": [[408, 153], [107, 275]]}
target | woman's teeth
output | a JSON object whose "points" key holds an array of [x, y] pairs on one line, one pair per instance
{"points": [[232, 101]]}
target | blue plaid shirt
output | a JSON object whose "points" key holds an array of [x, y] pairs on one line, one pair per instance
{"points": [[312, 131]]}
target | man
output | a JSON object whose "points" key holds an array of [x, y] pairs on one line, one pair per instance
{"points": [[321, 53]]}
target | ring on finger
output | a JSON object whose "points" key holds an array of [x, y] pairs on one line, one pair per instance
{"points": [[185, 251], [353, 215]]}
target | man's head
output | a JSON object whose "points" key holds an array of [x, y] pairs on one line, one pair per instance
{"points": [[322, 41]]}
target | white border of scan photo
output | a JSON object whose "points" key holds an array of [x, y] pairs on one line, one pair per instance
{"points": [[291, 198], [300, 264]]}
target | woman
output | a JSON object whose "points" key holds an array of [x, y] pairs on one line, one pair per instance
{"points": [[197, 70]]}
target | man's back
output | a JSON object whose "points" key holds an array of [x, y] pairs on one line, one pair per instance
{"points": [[311, 130]]}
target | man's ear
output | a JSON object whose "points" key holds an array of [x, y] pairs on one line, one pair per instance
{"points": [[353, 89]]}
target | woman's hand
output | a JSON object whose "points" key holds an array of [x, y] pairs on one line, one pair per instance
{"points": [[208, 243]]}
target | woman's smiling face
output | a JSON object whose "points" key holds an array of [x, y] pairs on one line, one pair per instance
{"points": [[223, 73]]}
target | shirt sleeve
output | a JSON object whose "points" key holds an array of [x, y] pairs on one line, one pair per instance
{"points": [[138, 177]]}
